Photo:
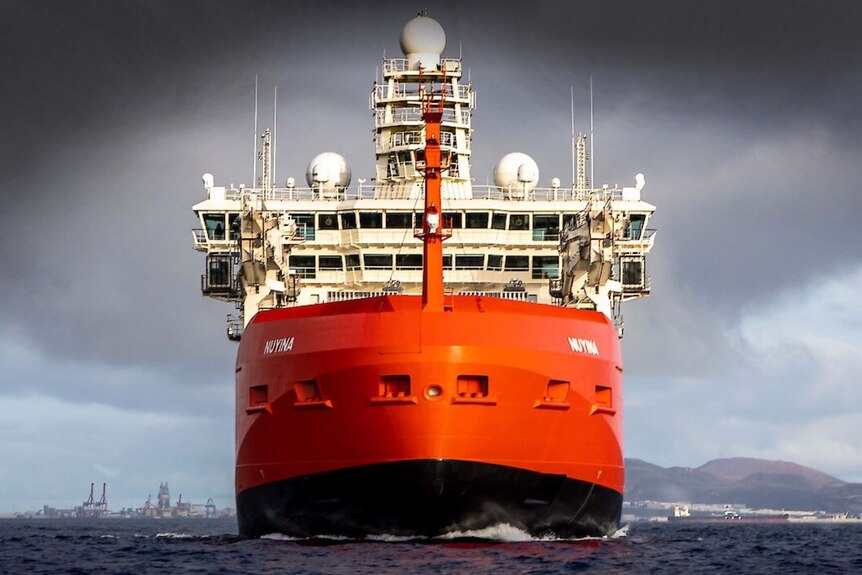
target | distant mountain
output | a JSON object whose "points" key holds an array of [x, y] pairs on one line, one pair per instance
{"points": [[738, 468], [753, 482]]}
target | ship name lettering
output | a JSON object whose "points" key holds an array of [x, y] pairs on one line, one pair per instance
{"points": [[583, 345], [279, 345]]}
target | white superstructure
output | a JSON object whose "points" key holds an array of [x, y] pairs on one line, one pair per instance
{"points": [[270, 246]]}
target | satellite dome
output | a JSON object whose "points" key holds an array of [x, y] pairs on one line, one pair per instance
{"points": [[328, 172], [516, 172], [422, 41]]}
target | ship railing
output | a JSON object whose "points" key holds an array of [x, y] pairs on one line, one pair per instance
{"points": [[479, 192], [200, 236], [642, 244], [515, 192], [394, 65], [294, 194], [234, 327], [413, 137], [203, 242], [645, 236], [381, 92], [638, 289], [404, 115], [215, 284]]}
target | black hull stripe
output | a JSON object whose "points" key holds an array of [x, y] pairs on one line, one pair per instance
{"points": [[427, 498]]}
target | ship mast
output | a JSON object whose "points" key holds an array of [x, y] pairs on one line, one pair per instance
{"points": [[433, 233]]}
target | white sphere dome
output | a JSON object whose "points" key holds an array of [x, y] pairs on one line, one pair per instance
{"points": [[422, 41], [516, 172], [328, 172]]}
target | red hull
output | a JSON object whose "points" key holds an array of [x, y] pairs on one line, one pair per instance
{"points": [[318, 402]]}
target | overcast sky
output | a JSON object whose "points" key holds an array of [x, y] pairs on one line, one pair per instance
{"points": [[742, 115]]}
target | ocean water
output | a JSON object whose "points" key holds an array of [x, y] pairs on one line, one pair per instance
{"points": [[149, 546]]}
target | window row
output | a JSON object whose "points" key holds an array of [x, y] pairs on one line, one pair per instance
{"points": [[541, 266], [545, 227]]}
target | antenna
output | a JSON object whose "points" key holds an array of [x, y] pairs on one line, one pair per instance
{"points": [[592, 138], [254, 162], [572, 90], [274, 129], [460, 50]]}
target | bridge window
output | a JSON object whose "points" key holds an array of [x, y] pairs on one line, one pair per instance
{"points": [[495, 262], [632, 272], [352, 261], [546, 227], [327, 221], [370, 220], [635, 227], [477, 220], [546, 267], [330, 263], [399, 220], [452, 219], [447, 261], [348, 221], [469, 262], [215, 226], [498, 221], [408, 261], [519, 222], [517, 263], [218, 271], [305, 223], [377, 261], [304, 266]]}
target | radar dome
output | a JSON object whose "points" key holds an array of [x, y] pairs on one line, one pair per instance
{"points": [[516, 172], [328, 172], [422, 41]]}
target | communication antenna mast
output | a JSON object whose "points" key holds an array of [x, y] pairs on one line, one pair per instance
{"points": [[254, 159], [274, 129], [572, 90], [592, 139]]}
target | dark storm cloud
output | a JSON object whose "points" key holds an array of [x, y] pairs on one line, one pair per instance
{"points": [[113, 109]]}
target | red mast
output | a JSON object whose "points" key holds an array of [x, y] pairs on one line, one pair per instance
{"points": [[432, 233]]}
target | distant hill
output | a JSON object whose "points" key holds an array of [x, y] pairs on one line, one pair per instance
{"points": [[753, 482]]}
